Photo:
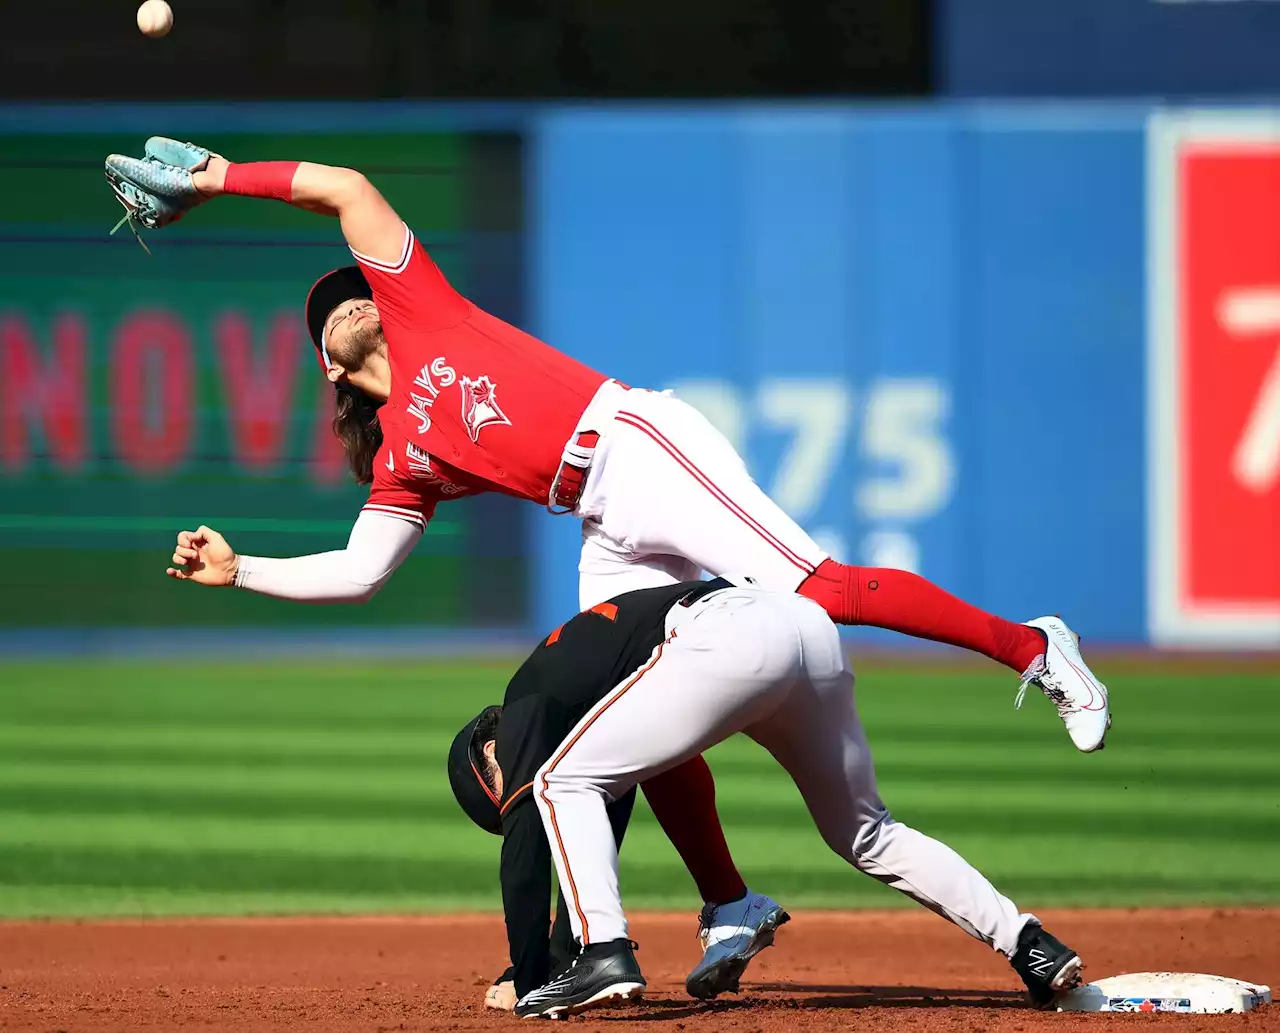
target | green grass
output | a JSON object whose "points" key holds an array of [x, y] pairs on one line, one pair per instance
{"points": [[132, 788]]}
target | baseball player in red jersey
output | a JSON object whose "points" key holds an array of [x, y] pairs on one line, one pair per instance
{"points": [[437, 399]]}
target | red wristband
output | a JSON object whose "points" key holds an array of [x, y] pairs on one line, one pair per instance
{"points": [[261, 179]]}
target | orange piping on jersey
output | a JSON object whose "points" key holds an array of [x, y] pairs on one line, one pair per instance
{"points": [[554, 637], [551, 810], [609, 611], [514, 796]]}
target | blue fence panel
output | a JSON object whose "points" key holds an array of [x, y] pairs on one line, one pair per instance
{"points": [[923, 328], [1054, 332]]}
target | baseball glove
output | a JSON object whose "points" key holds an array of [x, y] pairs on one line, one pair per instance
{"points": [[156, 190]]}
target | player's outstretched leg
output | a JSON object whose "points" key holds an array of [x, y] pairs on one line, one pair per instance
{"points": [[899, 600], [1045, 652], [671, 485], [817, 736]]}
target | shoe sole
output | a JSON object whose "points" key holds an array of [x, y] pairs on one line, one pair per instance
{"points": [[1066, 978], [627, 991], [1102, 743], [722, 976]]}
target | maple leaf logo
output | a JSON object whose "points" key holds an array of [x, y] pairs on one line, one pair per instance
{"points": [[480, 406]]}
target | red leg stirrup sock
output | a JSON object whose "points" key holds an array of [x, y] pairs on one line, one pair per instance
{"points": [[905, 602], [270, 179], [684, 802]]}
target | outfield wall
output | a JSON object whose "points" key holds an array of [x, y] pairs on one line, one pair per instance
{"points": [[924, 327], [1004, 346], [1027, 351]]}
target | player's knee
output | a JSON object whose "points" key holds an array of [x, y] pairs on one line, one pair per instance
{"points": [[867, 838], [852, 834]]}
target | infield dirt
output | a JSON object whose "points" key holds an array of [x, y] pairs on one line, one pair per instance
{"points": [[884, 971]]}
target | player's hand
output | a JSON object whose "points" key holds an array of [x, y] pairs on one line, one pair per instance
{"points": [[204, 556], [208, 169], [209, 180], [501, 996]]}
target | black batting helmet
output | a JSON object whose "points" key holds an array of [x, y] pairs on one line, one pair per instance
{"points": [[466, 762]]}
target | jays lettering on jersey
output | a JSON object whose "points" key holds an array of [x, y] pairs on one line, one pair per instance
{"points": [[491, 406], [566, 675], [408, 483]]}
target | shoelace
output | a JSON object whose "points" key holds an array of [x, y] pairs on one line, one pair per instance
{"points": [[130, 218], [706, 919], [1038, 673]]}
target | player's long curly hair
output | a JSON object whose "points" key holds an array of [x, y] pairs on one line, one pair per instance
{"points": [[355, 421]]}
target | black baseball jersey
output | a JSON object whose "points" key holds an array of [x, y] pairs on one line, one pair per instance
{"points": [[569, 672]]}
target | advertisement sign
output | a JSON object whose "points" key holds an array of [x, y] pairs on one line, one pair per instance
{"points": [[1214, 379], [143, 394]]}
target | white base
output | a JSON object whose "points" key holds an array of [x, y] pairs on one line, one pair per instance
{"points": [[1187, 992]]}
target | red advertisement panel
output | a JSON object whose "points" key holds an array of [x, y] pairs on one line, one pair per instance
{"points": [[1228, 404]]}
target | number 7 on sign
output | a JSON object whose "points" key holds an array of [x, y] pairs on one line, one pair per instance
{"points": [[1250, 312]]}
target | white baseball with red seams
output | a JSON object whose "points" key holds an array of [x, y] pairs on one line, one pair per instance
{"points": [[155, 18], [667, 497], [770, 665]]}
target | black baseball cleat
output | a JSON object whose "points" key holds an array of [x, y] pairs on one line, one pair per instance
{"points": [[1047, 966], [603, 972]]}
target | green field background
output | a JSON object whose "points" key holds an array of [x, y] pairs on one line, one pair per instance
{"points": [[137, 788]]}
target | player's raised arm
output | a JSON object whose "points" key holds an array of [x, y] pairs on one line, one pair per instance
{"points": [[175, 177], [369, 224], [379, 543]]}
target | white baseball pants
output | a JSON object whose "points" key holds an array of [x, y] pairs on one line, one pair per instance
{"points": [[770, 665], [667, 497]]}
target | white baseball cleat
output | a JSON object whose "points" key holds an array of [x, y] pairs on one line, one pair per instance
{"points": [[1066, 679], [731, 935]]}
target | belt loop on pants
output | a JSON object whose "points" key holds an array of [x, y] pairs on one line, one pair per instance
{"points": [[566, 489], [575, 461]]}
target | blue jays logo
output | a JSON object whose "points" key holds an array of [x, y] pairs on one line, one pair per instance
{"points": [[480, 407]]}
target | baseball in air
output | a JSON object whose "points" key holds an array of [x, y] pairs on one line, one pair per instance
{"points": [[155, 18]]}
